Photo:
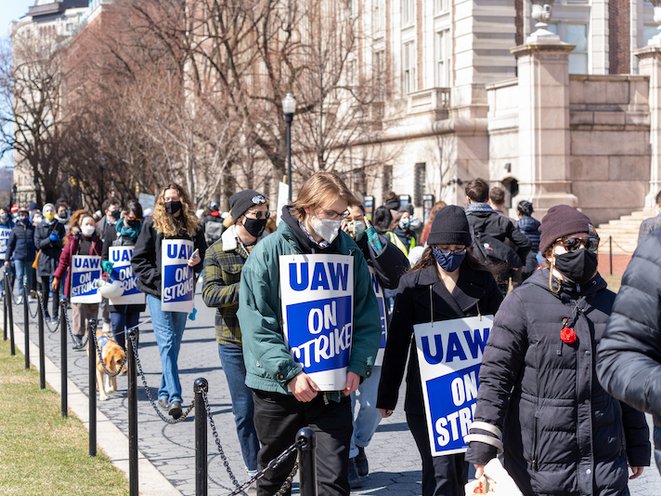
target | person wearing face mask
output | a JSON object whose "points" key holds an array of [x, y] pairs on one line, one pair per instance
{"points": [[402, 233], [21, 251], [222, 275], [6, 226], [82, 240], [172, 219], [123, 233], [562, 433], [447, 283], [388, 263], [105, 228], [62, 212], [49, 239], [285, 397]]}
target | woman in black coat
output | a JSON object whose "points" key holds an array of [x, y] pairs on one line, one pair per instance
{"points": [[561, 432], [446, 278], [49, 239]]}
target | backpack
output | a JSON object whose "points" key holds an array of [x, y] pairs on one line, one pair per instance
{"points": [[213, 231], [492, 252]]}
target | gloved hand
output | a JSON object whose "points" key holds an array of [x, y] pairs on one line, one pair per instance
{"points": [[54, 238], [193, 314], [107, 266]]}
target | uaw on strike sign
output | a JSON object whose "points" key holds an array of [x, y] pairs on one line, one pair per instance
{"points": [[121, 256], [450, 353], [177, 278], [85, 274], [317, 310], [381, 301]]}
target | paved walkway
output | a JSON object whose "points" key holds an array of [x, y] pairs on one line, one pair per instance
{"points": [[394, 461]]}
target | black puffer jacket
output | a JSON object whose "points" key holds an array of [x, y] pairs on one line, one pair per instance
{"points": [[50, 250], [562, 433], [629, 358], [21, 243]]}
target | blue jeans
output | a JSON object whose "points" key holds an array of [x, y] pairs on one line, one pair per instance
{"points": [[121, 322], [23, 274], [368, 418], [169, 331], [231, 359]]}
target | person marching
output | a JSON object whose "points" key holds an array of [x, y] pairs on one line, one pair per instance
{"points": [[49, 240], [82, 240], [6, 227], [286, 398], [172, 219], [21, 251], [123, 233], [561, 432], [222, 276], [447, 283], [388, 263]]}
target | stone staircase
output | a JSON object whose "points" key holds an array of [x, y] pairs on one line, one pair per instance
{"points": [[624, 232]]}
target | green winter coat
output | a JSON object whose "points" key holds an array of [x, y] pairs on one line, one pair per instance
{"points": [[269, 364]]}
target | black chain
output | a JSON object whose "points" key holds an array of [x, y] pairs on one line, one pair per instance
{"points": [[44, 311], [69, 326], [100, 357], [36, 311], [149, 397]]}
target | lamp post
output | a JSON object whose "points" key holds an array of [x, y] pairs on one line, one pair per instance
{"points": [[289, 108]]}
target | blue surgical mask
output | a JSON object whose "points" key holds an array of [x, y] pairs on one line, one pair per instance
{"points": [[448, 261]]}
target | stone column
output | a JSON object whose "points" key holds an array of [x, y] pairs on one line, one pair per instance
{"points": [[649, 60], [544, 138]]}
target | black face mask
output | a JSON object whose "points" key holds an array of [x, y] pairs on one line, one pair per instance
{"points": [[115, 215], [579, 266], [172, 207], [254, 226]]}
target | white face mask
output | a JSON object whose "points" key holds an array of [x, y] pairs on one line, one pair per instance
{"points": [[87, 230], [326, 228], [357, 229]]}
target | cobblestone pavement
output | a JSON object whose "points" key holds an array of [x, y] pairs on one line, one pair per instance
{"points": [[393, 457]]}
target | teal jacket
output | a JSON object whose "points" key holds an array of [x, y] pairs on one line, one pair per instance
{"points": [[269, 363]]}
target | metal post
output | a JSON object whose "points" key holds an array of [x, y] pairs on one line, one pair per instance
{"points": [[42, 351], [133, 415], [288, 119], [26, 324], [91, 326], [610, 253], [4, 307], [201, 478], [308, 461], [10, 309], [63, 358]]}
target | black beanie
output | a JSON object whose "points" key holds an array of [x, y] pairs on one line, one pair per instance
{"points": [[450, 227], [244, 200], [562, 220]]}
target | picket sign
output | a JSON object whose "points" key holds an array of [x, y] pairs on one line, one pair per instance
{"points": [[450, 354], [4, 239], [85, 274], [381, 301], [120, 256], [177, 278], [317, 311]]}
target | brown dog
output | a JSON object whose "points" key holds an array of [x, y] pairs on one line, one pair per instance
{"points": [[113, 356]]}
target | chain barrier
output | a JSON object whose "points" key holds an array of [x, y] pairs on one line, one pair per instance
{"points": [[44, 311], [36, 310], [83, 339], [138, 366], [99, 355], [628, 252]]}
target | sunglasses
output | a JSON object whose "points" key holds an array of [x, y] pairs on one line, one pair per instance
{"points": [[456, 251], [259, 214], [572, 244], [133, 219]]}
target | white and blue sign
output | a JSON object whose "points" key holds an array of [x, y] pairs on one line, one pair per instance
{"points": [[4, 239], [450, 354], [177, 278], [317, 310], [120, 256], [85, 274], [381, 301]]}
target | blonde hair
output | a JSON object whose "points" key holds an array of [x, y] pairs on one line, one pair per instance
{"points": [[169, 225], [318, 188]]}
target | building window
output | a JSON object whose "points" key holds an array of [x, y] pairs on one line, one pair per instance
{"points": [[575, 34], [380, 75], [420, 181], [379, 16], [408, 12], [408, 67], [442, 54], [386, 180], [649, 32], [442, 6]]}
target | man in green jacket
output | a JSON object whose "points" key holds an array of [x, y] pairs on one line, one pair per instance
{"points": [[287, 398]]}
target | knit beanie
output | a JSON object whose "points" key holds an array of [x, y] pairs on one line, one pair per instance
{"points": [[242, 201], [450, 227], [46, 205], [562, 220]]}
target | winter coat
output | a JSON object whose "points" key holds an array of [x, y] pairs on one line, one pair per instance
{"points": [[112, 239], [21, 243], [476, 293], [530, 227], [629, 355], [50, 250], [213, 228], [269, 363], [71, 248], [146, 260], [648, 226], [500, 227], [389, 265], [562, 433]]}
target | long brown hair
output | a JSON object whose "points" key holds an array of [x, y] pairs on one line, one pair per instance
{"points": [[319, 187], [169, 225]]}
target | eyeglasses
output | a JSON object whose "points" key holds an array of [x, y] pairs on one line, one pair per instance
{"points": [[456, 251], [572, 243], [259, 214], [333, 215]]}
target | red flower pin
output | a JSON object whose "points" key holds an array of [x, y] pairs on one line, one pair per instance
{"points": [[567, 335]]}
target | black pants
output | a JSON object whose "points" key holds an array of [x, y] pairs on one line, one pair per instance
{"points": [[441, 475], [44, 282], [277, 420]]}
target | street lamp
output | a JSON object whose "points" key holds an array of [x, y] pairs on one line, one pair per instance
{"points": [[289, 108]]}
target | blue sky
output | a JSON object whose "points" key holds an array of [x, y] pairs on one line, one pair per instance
{"points": [[12, 9]]}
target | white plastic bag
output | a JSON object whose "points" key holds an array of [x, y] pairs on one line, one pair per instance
{"points": [[495, 481]]}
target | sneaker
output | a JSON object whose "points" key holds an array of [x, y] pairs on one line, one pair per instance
{"points": [[354, 479], [77, 342], [362, 467], [175, 410], [19, 301], [164, 403]]}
